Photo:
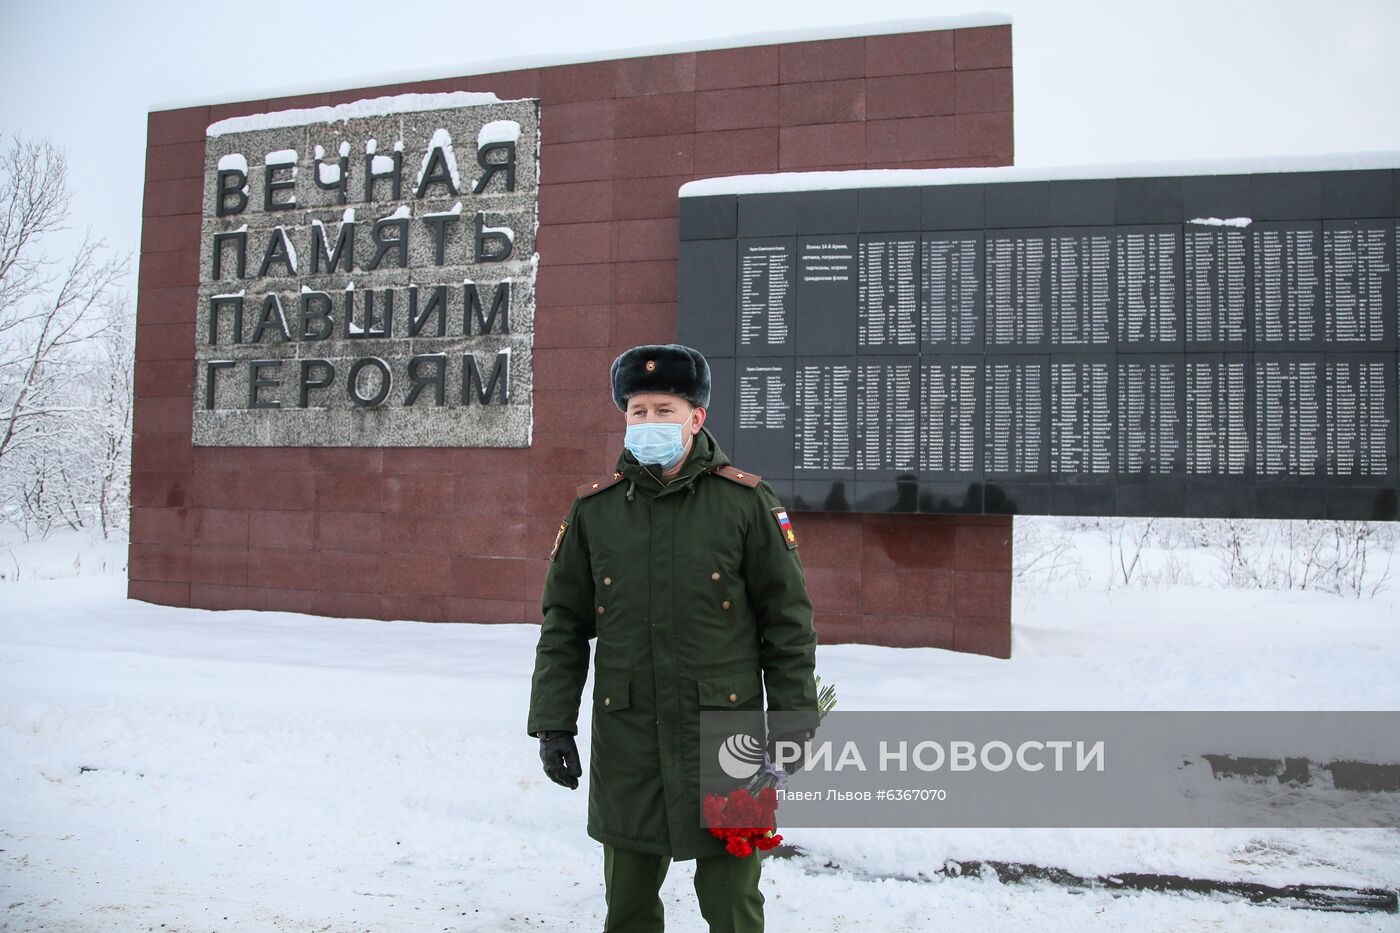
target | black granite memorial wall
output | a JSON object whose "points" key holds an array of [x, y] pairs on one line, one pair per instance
{"points": [[1212, 345]]}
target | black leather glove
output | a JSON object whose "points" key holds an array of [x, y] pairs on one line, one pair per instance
{"points": [[792, 766], [560, 757]]}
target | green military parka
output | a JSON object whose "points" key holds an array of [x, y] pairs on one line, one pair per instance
{"points": [[695, 593]]}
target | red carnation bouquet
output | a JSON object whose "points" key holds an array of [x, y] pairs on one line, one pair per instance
{"points": [[743, 821]]}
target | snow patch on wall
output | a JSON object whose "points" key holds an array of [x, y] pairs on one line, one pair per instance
{"points": [[918, 177], [498, 131], [442, 139], [1240, 222], [455, 211], [367, 107], [852, 30], [287, 245], [506, 232]]}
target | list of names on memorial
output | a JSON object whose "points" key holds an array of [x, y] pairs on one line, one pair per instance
{"points": [[824, 431], [1149, 424], [887, 315], [951, 289], [1013, 438], [948, 397], [1216, 280], [1081, 420], [1016, 287], [1287, 417], [887, 416], [1359, 414], [1189, 359], [1287, 285], [763, 399], [1081, 290], [1217, 426], [765, 284], [1146, 281], [1359, 273]]}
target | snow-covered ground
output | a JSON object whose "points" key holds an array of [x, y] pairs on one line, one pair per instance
{"points": [[174, 769]]}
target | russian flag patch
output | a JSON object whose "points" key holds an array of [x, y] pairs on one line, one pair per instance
{"points": [[780, 515], [558, 539]]}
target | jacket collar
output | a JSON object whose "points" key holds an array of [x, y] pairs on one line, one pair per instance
{"points": [[705, 456]]}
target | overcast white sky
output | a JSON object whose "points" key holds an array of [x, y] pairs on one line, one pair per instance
{"points": [[1094, 81]]}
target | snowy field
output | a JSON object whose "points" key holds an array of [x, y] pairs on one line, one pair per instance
{"points": [[180, 770]]}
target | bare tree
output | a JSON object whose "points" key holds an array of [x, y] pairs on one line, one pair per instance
{"points": [[112, 385], [44, 303], [1043, 553], [1127, 538], [65, 346]]}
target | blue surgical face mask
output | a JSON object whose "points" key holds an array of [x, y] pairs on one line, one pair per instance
{"points": [[658, 442]]}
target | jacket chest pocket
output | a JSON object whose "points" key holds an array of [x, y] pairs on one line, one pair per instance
{"points": [[736, 690], [604, 593], [717, 628], [721, 585]]}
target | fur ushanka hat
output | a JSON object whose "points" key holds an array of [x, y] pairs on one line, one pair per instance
{"points": [[661, 367]]}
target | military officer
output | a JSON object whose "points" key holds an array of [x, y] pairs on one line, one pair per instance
{"points": [[685, 569]]}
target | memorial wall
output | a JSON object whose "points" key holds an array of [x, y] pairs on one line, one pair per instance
{"points": [[372, 388], [1202, 345]]}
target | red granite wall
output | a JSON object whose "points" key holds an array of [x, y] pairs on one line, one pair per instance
{"points": [[463, 535]]}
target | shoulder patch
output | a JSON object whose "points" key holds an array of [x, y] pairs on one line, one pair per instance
{"points": [[742, 477], [588, 489], [780, 516], [558, 539]]}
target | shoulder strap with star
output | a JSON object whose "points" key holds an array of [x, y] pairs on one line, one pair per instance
{"points": [[588, 489], [742, 477]]}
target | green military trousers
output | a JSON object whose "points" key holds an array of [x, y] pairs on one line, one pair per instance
{"points": [[726, 886]]}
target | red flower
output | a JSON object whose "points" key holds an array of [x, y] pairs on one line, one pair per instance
{"points": [[742, 820]]}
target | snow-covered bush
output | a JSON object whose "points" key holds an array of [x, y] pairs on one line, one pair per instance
{"points": [[1043, 553], [1342, 557]]}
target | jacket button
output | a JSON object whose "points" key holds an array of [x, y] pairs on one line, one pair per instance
{"points": [[600, 610], [715, 575], [607, 701], [607, 581], [725, 604], [733, 697]]}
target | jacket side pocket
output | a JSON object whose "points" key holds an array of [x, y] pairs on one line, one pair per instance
{"points": [[612, 691]]}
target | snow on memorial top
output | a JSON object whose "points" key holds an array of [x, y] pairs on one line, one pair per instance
{"points": [[367, 275]]}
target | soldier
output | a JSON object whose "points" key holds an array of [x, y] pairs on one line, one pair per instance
{"points": [[686, 571]]}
